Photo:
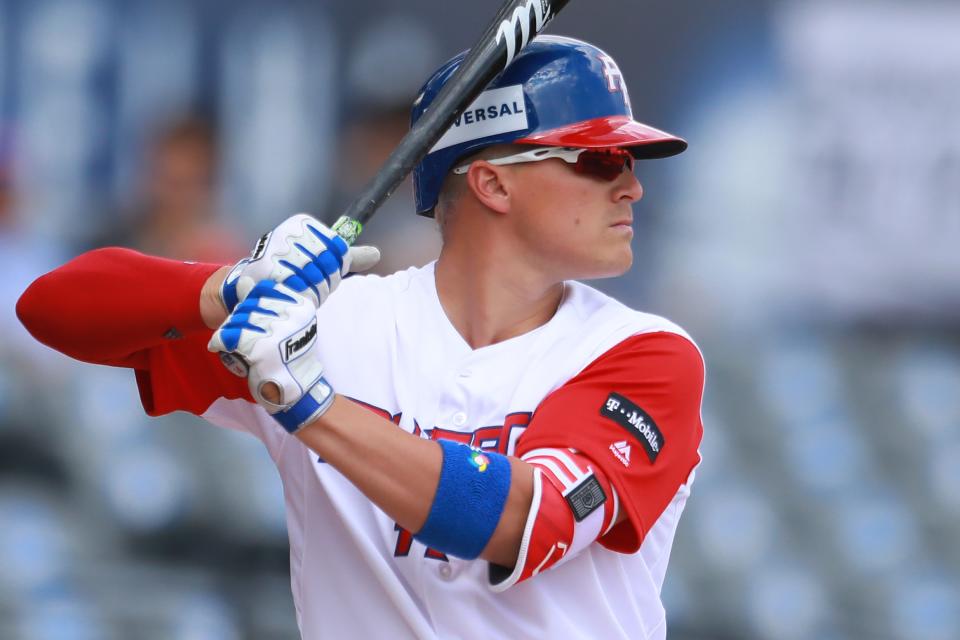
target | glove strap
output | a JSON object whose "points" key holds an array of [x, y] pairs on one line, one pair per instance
{"points": [[311, 406]]}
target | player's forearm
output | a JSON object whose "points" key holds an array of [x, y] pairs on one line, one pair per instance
{"points": [[399, 472], [108, 304]]}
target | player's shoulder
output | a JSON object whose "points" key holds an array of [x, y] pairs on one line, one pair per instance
{"points": [[601, 310]]}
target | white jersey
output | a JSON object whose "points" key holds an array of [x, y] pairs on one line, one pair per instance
{"points": [[387, 343]]}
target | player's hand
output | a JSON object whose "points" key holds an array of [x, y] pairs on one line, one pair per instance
{"points": [[303, 254], [270, 339]]}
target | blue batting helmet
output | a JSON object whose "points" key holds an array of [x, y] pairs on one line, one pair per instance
{"points": [[557, 92]]}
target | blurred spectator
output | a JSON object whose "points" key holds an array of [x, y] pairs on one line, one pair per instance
{"points": [[389, 62], [23, 256], [175, 213], [404, 238]]}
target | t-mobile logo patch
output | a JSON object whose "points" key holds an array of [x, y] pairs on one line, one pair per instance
{"points": [[635, 421]]}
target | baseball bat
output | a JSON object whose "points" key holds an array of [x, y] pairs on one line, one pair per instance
{"points": [[515, 25]]}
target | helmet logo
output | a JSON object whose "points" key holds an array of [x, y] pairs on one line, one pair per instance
{"points": [[614, 78], [612, 73], [494, 112]]}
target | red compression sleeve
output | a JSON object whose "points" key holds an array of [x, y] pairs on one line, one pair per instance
{"points": [[119, 307], [109, 306]]}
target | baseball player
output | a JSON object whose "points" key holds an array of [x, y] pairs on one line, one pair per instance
{"points": [[480, 448]]}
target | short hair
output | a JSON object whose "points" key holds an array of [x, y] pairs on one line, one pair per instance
{"points": [[454, 186]]}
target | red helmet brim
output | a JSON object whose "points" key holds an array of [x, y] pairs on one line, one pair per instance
{"points": [[611, 131]]}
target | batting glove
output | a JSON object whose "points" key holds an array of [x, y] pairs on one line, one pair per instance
{"points": [[303, 254], [271, 337]]}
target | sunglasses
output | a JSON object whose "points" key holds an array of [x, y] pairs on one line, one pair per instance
{"points": [[606, 164]]}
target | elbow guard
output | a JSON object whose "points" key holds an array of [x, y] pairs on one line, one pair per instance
{"points": [[573, 505]]}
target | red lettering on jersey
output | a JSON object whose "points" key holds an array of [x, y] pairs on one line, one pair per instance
{"points": [[438, 433], [486, 438], [383, 413], [433, 554], [404, 542], [514, 424], [499, 438]]}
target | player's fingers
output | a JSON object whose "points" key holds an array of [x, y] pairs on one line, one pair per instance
{"points": [[363, 258]]}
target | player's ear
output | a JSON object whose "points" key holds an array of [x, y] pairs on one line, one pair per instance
{"points": [[490, 185]]}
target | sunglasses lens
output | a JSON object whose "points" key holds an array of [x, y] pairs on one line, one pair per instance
{"points": [[606, 165]]}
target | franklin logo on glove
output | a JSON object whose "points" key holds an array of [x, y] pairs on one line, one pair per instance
{"points": [[299, 341]]}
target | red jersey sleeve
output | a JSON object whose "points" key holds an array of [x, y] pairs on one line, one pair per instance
{"points": [[635, 412], [119, 307], [184, 376]]}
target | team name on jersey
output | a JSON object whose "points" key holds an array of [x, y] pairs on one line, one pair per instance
{"points": [[500, 438]]}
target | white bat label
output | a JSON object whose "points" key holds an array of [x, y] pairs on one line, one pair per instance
{"points": [[522, 15]]}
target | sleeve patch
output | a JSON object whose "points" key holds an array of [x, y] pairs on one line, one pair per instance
{"points": [[585, 498], [636, 422]]}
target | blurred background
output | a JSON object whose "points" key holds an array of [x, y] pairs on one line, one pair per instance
{"points": [[808, 239]]}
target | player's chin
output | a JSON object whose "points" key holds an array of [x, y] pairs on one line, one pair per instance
{"points": [[615, 262]]}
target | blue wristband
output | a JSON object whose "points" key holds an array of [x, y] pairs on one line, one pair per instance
{"points": [[311, 406], [469, 501]]}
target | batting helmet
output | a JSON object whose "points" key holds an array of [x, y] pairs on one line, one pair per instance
{"points": [[557, 92]]}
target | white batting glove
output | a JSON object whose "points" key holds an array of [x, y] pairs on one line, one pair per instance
{"points": [[303, 254], [271, 337]]}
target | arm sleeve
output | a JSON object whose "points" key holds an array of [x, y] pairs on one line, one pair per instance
{"points": [[635, 413], [118, 307]]}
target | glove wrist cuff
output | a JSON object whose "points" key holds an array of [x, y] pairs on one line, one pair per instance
{"points": [[228, 291], [310, 407]]}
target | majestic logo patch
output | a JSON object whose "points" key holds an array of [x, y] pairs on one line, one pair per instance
{"points": [[299, 341], [495, 111], [636, 421], [622, 452], [585, 498]]}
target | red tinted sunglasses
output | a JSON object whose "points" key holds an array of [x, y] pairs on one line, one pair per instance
{"points": [[606, 164]]}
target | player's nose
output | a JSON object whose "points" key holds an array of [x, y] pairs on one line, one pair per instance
{"points": [[628, 188]]}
